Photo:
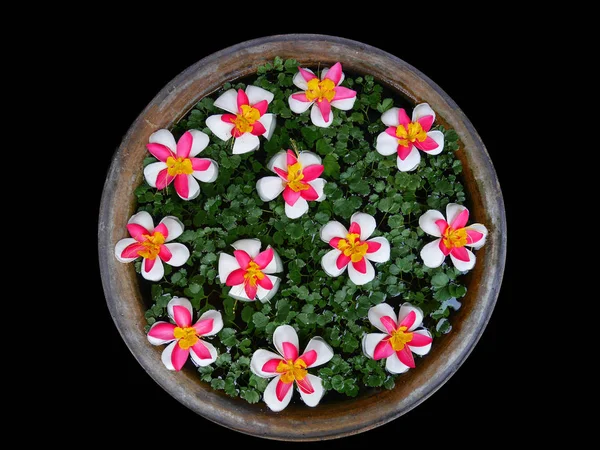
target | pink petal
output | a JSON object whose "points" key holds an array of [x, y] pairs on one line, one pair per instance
{"points": [[442, 225], [388, 323], [354, 228], [305, 385], [391, 131], [290, 196], [342, 93], [420, 340], [291, 158], [290, 351], [236, 277], [250, 291], [242, 258], [131, 251], [445, 250], [312, 172], [306, 74], [137, 231], [406, 357], [162, 331], [228, 118], [373, 246], [159, 151], [342, 261], [473, 236], [201, 351], [403, 118], [325, 108], [265, 283], [460, 253], [264, 258], [309, 194], [300, 96], [409, 320], [427, 145], [461, 220], [163, 179], [426, 122], [184, 145], [282, 173], [403, 151], [271, 365], [242, 99], [309, 357], [164, 253], [383, 350], [179, 356], [360, 266], [200, 164], [282, 389], [236, 133], [262, 107], [335, 241], [203, 326], [258, 129], [182, 316], [149, 264], [334, 74], [182, 186], [162, 229]]}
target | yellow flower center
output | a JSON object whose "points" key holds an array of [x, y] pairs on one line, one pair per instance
{"points": [[292, 370], [455, 238], [400, 338], [177, 166], [352, 247], [253, 273], [411, 133], [245, 120], [320, 89], [295, 177], [187, 337], [152, 245]]}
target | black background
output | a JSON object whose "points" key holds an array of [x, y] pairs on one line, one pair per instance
{"points": [[130, 71]]}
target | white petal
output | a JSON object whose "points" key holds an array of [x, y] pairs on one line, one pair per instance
{"points": [[390, 117], [209, 175], [394, 365], [462, 265], [217, 321], [361, 278], [300, 208], [323, 349], [298, 106], [406, 309], [438, 137], [155, 340], [239, 293], [317, 118], [421, 351], [227, 264], [166, 355], [275, 266], [279, 161], [257, 94], [370, 341], [309, 159], [164, 137], [179, 254], [411, 162], [367, 224], [299, 80], [247, 142], [285, 333], [175, 227], [198, 362], [179, 301], [265, 295], [122, 245], [344, 104], [193, 189], [452, 211], [333, 229], [269, 188], [151, 172], [377, 312], [386, 144], [422, 110], [328, 262], [268, 121], [199, 143], [259, 359], [427, 222], [383, 254], [314, 398], [228, 101], [157, 271], [144, 219], [270, 396], [483, 230], [220, 129], [319, 184], [431, 254], [250, 246]]}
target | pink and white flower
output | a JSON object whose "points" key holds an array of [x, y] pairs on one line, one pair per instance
{"points": [[453, 236], [406, 137], [287, 368], [322, 94], [297, 179], [248, 118], [177, 163], [249, 270], [152, 244], [184, 339], [400, 337], [352, 248]]}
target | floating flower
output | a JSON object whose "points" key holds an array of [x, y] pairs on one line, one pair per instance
{"points": [[248, 271], [248, 119], [322, 94], [288, 367], [401, 336], [407, 137], [177, 162], [452, 236], [352, 246], [297, 180], [151, 244], [184, 339]]}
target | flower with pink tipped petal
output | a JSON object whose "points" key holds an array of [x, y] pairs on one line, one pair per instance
{"points": [[287, 368], [297, 179], [248, 118], [152, 244], [248, 271], [177, 163], [401, 337], [406, 137], [453, 236], [322, 94], [184, 339], [353, 249]]}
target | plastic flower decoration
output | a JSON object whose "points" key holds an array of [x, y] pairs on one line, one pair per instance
{"points": [[249, 270], [322, 94], [297, 179], [352, 248], [152, 244], [184, 339], [287, 368], [400, 337], [248, 118], [453, 236], [177, 162], [406, 137]]}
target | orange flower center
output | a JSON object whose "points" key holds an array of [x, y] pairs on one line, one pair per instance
{"points": [[400, 338], [151, 245], [253, 274], [187, 337], [410, 133], [295, 177], [320, 89], [178, 166], [455, 238], [244, 121], [353, 247], [292, 370]]}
